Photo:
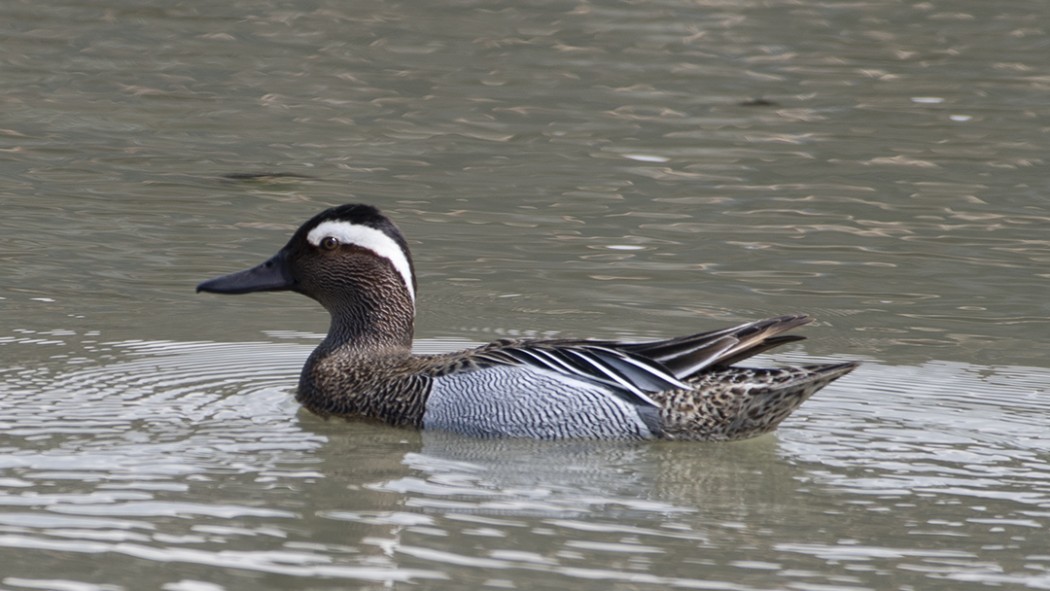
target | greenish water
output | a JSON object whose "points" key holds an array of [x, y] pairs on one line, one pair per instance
{"points": [[583, 169]]}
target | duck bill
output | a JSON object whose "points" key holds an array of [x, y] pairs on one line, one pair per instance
{"points": [[273, 275]]}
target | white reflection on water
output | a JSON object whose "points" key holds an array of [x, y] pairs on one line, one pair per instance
{"points": [[194, 454], [940, 427]]}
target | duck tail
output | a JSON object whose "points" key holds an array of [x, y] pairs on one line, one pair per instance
{"points": [[738, 402]]}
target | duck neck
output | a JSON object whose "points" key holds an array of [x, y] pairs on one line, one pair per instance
{"points": [[356, 336], [361, 325]]}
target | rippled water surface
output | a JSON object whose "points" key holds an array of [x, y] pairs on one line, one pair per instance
{"points": [[601, 169]]}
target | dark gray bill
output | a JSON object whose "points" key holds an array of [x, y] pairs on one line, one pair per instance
{"points": [[273, 275]]}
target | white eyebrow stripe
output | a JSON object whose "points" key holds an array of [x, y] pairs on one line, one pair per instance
{"points": [[366, 237]]}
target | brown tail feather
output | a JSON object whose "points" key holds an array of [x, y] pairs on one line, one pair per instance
{"points": [[737, 402]]}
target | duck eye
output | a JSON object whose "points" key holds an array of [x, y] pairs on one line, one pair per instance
{"points": [[329, 243]]}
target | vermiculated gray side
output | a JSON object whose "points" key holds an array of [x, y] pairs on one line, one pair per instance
{"points": [[507, 401]]}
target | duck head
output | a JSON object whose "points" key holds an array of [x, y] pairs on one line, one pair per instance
{"points": [[355, 262]]}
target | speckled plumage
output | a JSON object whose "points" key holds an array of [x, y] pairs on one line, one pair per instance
{"points": [[681, 388]]}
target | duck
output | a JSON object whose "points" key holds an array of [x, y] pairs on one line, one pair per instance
{"points": [[355, 262]]}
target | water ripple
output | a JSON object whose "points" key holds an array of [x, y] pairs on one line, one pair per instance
{"points": [[193, 453]]}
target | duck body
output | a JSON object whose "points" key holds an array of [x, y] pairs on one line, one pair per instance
{"points": [[355, 262]]}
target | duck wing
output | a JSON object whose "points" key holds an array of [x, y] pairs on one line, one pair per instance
{"points": [[632, 371], [628, 376], [688, 356]]}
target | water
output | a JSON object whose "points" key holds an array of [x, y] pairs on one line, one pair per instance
{"points": [[603, 169]]}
